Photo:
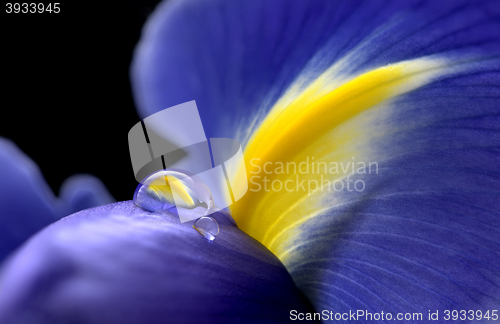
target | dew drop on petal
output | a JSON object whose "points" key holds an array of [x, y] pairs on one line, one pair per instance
{"points": [[207, 226], [168, 189]]}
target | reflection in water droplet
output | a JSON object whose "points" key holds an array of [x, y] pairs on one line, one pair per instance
{"points": [[167, 189], [207, 226]]}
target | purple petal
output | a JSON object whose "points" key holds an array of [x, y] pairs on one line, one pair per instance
{"points": [[120, 264], [237, 57], [27, 204], [425, 233]]}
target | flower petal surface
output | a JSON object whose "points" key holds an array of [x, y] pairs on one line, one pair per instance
{"points": [[410, 88]]}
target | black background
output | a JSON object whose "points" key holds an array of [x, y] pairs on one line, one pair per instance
{"points": [[66, 96]]}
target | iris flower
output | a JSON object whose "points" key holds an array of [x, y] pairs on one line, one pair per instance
{"points": [[410, 85]]}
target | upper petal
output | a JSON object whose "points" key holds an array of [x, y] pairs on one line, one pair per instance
{"points": [[27, 204], [237, 58]]}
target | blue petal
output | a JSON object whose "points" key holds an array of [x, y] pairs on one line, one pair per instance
{"points": [[26, 202], [236, 58], [120, 264], [425, 233]]}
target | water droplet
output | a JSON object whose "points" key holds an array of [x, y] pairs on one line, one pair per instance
{"points": [[168, 189], [207, 226]]}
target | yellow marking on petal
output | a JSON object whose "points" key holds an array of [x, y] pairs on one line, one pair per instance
{"points": [[300, 126]]}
